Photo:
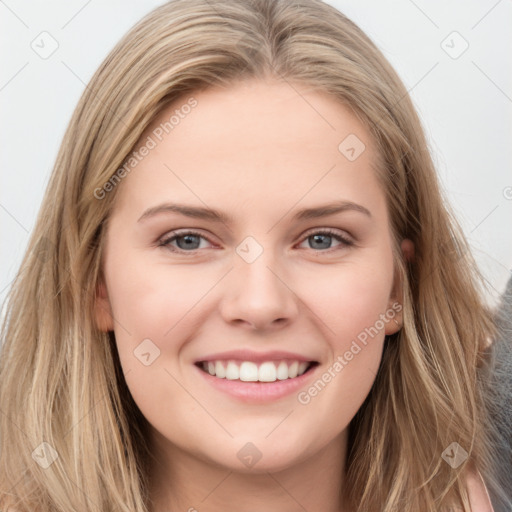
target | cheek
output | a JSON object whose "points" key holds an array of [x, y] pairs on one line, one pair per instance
{"points": [[350, 299], [150, 300], [155, 309], [353, 305]]}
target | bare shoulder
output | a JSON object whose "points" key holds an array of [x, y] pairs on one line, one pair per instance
{"points": [[478, 495]]}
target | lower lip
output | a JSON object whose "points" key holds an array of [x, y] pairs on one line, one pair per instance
{"points": [[258, 392]]}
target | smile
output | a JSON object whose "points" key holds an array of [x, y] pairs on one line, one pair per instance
{"points": [[249, 371]]}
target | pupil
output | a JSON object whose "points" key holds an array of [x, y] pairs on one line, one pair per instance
{"points": [[189, 239], [319, 237]]}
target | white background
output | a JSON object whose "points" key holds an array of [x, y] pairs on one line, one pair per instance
{"points": [[465, 103]]}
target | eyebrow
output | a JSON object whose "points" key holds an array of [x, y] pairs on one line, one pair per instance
{"points": [[218, 216]]}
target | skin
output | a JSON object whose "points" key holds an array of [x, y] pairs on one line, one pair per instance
{"points": [[258, 151]]}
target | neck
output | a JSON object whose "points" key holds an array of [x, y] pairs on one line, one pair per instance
{"points": [[182, 481]]}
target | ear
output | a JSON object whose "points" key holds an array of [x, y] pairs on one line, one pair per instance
{"points": [[396, 297], [407, 247], [102, 308]]}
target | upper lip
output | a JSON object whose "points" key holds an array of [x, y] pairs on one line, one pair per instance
{"points": [[256, 357]]}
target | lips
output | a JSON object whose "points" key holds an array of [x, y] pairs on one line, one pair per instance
{"points": [[258, 392], [255, 357]]}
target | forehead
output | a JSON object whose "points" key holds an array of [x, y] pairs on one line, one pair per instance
{"points": [[256, 113], [255, 143]]}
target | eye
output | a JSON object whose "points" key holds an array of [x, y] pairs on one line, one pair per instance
{"points": [[323, 238], [190, 241], [187, 241]]}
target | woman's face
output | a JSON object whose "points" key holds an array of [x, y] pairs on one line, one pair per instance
{"points": [[258, 172]]}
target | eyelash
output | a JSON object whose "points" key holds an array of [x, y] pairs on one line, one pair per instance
{"points": [[166, 240]]}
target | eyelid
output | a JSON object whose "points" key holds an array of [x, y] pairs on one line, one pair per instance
{"points": [[176, 233], [346, 237]]}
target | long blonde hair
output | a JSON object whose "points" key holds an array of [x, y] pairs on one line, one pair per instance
{"points": [[61, 381]]}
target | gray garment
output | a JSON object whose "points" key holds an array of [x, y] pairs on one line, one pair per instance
{"points": [[499, 399]]}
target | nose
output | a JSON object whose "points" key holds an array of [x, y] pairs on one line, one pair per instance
{"points": [[258, 295]]}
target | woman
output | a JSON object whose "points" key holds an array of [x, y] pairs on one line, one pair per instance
{"points": [[257, 365]]}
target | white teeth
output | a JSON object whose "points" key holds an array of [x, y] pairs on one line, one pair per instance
{"points": [[232, 372], [282, 371], [220, 371], [267, 372], [302, 368], [292, 371], [249, 371]]}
